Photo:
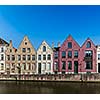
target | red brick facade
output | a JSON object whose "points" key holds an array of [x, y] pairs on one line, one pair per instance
{"points": [[89, 48], [75, 59]]}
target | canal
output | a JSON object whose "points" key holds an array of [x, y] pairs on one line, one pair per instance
{"points": [[13, 87]]}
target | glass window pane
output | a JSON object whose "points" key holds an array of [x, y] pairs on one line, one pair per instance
{"points": [[39, 57], [88, 45], [49, 57], [44, 48], [69, 54], [76, 54], [63, 65], [69, 44], [44, 57], [56, 55], [98, 56], [69, 65], [63, 54]]}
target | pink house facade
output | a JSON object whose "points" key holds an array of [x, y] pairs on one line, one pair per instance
{"points": [[88, 57], [70, 58]]}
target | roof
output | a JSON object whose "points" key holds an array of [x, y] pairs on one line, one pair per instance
{"points": [[3, 41], [45, 43], [72, 39], [56, 49], [87, 40]]}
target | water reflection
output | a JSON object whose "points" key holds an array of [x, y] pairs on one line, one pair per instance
{"points": [[13, 87]]}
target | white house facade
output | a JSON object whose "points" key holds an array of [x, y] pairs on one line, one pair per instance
{"points": [[98, 59], [44, 59], [3, 46]]}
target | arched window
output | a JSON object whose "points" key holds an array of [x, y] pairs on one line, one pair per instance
{"points": [[88, 45], [44, 48]]}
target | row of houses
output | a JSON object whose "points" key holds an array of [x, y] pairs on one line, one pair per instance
{"points": [[67, 58]]}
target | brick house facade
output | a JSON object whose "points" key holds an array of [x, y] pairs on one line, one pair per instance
{"points": [[88, 57]]}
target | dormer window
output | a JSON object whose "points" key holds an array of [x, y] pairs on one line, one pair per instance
{"points": [[44, 48], [88, 45]]}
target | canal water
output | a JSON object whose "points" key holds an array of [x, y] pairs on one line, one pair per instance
{"points": [[13, 87]]}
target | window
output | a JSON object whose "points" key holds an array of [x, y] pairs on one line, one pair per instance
{"points": [[19, 57], [33, 57], [25, 43], [63, 65], [76, 54], [44, 48], [88, 53], [48, 66], [2, 66], [10, 50], [18, 64], [24, 66], [29, 66], [63, 54], [2, 57], [24, 57], [44, 57], [56, 55], [69, 65], [33, 67], [13, 65], [8, 57], [23, 49], [13, 57], [69, 54], [2, 50], [49, 57], [55, 65], [44, 66], [69, 45], [88, 45], [98, 56], [28, 57], [39, 57], [88, 64], [28, 50]]}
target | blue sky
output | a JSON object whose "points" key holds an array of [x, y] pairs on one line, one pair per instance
{"points": [[50, 23]]}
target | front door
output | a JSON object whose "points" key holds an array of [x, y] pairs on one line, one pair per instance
{"points": [[39, 68], [98, 67], [76, 67]]}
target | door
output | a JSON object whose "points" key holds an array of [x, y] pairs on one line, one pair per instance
{"points": [[39, 68], [98, 67], [76, 67]]}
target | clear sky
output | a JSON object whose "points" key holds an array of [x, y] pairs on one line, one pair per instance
{"points": [[50, 23]]}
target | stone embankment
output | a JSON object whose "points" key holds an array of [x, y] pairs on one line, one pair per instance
{"points": [[60, 77]]}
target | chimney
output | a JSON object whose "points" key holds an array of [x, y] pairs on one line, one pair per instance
{"points": [[58, 44], [10, 43]]}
